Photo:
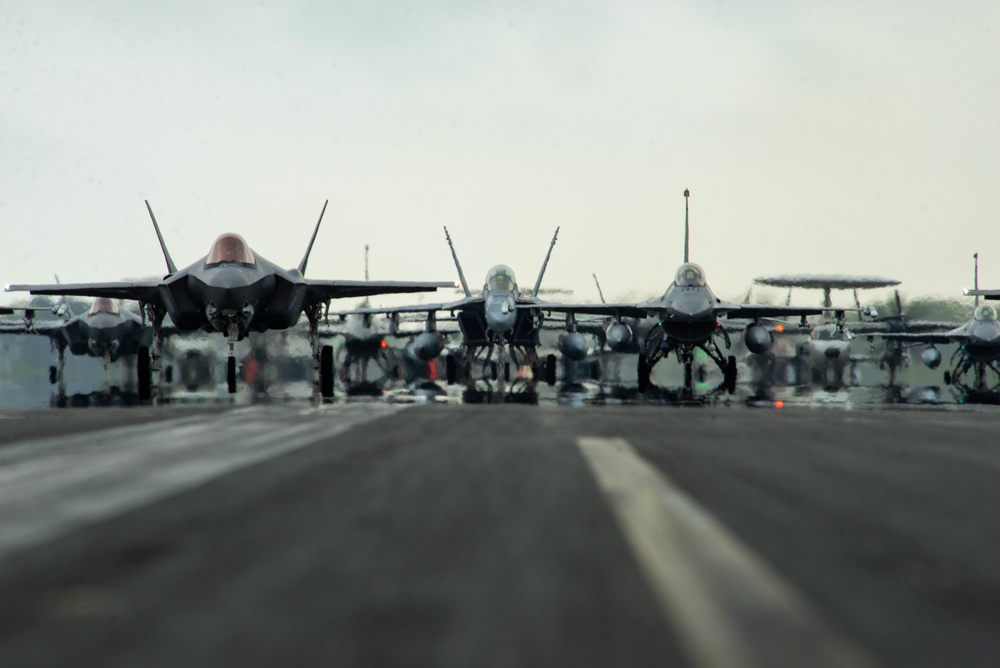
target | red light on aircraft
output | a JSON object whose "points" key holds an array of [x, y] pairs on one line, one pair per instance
{"points": [[779, 328], [384, 344], [779, 404]]}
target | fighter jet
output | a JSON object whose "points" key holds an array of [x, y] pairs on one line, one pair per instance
{"points": [[501, 318], [687, 317], [978, 347], [827, 353], [106, 331], [978, 344], [233, 290]]}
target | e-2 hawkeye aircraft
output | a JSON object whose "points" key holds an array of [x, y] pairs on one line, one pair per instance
{"points": [[686, 318], [234, 291], [827, 353]]}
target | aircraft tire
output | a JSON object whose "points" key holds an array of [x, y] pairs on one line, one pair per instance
{"points": [[231, 374], [506, 371], [643, 371], [731, 374], [143, 375], [550, 369], [451, 369], [688, 376], [53, 375], [326, 372], [491, 369], [947, 378]]}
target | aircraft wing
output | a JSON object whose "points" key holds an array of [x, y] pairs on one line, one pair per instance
{"points": [[734, 311], [321, 291], [985, 294], [144, 291], [911, 327], [951, 336], [459, 305], [625, 310]]}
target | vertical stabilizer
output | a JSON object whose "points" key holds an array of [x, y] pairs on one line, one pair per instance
{"points": [[454, 256], [975, 283], [305, 258], [687, 229], [171, 267], [545, 263], [599, 291]]}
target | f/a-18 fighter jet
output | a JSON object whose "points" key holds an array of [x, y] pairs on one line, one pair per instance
{"points": [[234, 291], [688, 317], [501, 318]]}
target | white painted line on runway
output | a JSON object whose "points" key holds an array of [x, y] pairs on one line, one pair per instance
{"points": [[53, 485], [729, 609]]}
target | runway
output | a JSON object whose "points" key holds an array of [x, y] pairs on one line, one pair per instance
{"points": [[503, 535]]}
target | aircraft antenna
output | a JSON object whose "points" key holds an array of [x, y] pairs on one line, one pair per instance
{"points": [[687, 230], [171, 267], [454, 256], [305, 258], [366, 262], [975, 257], [599, 291], [545, 263]]}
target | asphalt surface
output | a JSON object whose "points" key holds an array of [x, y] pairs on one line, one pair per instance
{"points": [[499, 535]]}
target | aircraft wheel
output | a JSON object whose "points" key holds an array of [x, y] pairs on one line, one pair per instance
{"points": [[143, 375], [550, 369], [947, 378], [53, 375], [451, 369], [491, 369], [731, 374], [506, 371], [643, 370], [688, 376], [595, 370], [326, 371], [231, 374]]}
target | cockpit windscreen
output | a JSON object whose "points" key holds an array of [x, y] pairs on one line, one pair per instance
{"points": [[230, 248], [500, 277], [690, 275]]}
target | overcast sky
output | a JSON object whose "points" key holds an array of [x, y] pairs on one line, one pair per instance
{"points": [[845, 136]]}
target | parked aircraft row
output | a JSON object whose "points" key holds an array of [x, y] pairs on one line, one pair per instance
{"points": [[233, 290]]}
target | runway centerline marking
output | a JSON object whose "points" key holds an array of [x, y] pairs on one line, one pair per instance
{"points": [[50, 486], [728, 608]]}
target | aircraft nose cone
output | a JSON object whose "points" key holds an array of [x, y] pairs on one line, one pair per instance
{"points": [[499, 319], [227, 278], [693, 307], [987, 333]]}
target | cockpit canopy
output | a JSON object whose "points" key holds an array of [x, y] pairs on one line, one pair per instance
{"points": [[104, 305], [985, 312], [230, 248], [500, 277], [690, 275]]}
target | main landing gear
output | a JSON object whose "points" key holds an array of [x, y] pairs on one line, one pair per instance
{"points": [[323, 366]]}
